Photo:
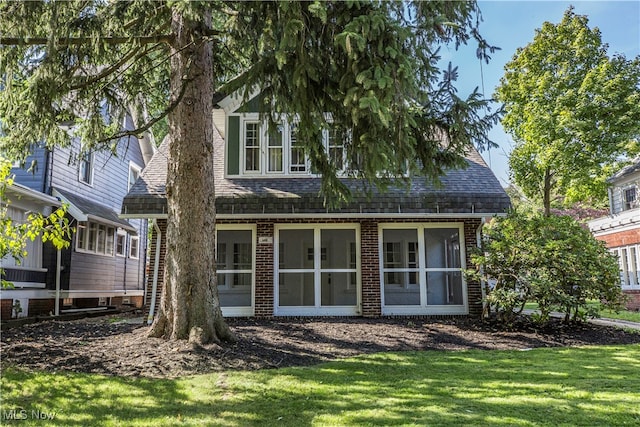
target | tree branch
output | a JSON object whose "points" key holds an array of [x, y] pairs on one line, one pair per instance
{"points": [[74, 41]]}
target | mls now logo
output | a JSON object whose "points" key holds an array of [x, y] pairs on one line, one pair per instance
{"points": [[23, 414]]}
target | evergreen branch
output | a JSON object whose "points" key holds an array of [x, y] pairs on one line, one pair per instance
{"points": [[75, 41]]}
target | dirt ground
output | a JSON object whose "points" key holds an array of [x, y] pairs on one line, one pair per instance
{"points": [[112, 346]]}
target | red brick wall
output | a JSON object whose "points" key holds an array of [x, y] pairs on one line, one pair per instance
{"points": [[162, 225], [633, 301], [42, 307], [622, 238], [264, 270], [6, 308], [370, 270]]}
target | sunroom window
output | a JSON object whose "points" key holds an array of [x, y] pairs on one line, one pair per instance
{"points": [[95, 238], [421, 267]]}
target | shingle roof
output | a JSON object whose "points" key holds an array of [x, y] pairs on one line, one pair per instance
{"points": [[471, 190], [625, 171]]}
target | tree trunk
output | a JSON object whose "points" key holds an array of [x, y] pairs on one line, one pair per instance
{"points": [[190, 307]]}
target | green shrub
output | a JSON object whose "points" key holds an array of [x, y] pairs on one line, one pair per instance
{"points": [[551, 260]]}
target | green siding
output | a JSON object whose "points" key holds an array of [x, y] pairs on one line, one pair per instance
{"points": [[233, 148], [251, 106]]}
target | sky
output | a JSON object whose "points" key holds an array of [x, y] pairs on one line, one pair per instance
{"points": [[512, 24]]}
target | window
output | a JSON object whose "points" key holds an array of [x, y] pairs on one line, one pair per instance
{"points": [[94, 238], [133, 247], [317, 269], [134, 173], [297, 160], [121, 244], [86, 168], [422, 268], [335, 148], [628, 260], [252, 147], [275, 150], [630, 199], [235, 257]]}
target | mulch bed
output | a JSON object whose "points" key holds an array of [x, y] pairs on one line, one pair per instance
{"points": [[108, 345]]}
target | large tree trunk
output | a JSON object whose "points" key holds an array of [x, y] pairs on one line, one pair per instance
{"points": [[546, 197], [190, 307]]}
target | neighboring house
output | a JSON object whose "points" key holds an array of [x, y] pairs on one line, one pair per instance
{"points": [[621, 229], [105, 264], [281, 252]]}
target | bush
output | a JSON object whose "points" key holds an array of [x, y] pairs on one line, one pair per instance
{"points": [[552, 261]]}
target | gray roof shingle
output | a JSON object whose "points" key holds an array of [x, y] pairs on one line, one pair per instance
{"points": [[471, 190]]}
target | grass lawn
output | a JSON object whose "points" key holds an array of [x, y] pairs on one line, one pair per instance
{"points": [[632, 316], [558, 386]]}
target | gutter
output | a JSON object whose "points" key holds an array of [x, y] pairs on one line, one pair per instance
{"points": [[156, 265]]}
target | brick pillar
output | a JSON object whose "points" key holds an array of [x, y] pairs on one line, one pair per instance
{"points": [[370, 269], [264, 270], [474, 292], [162, 224]]}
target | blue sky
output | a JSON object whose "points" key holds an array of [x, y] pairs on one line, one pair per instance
{"points": [[512, 24]]}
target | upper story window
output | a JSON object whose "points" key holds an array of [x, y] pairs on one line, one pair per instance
{"points": [[85, 172], [278, 149], [630, 198], [252, 147], [134, 173]]}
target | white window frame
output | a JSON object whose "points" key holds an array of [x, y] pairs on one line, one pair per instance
{"points": [[423, 308], [133, 169], [628, 258], [85, 159], [108, 244], [247, 310], [121, 234], [628, 205], [259, 148], [134, 248], [317, 309]]}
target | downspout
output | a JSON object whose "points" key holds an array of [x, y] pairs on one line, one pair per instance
{"points": [[483, 283], [156, 267], [58, 267]]}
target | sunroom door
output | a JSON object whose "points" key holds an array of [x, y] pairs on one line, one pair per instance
{"points": [[317, 270], [235, 256]]}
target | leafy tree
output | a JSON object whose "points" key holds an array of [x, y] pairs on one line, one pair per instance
{"points": [[53, 228], [572, 110], [551, 260], [372, 65]]}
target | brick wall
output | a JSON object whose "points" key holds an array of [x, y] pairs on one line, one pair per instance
{"points": [[162, 225], [264, 270], [621, 238], [633, 301], [42, 307], [370, 269], [6, 308]]}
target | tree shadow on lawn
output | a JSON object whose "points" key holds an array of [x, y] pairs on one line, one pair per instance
{"points": [[538, 387]]}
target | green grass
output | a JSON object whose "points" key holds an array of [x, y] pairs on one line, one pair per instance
{"points": [[632, 316], [560, 386]]}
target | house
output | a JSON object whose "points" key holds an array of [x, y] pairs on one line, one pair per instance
{"points": [[105, 263], [620, 230], [281, 252]]}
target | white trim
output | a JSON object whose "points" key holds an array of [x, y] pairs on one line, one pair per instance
{"points": [[91, 172], [424, 308], [234, 101], [120, 233], [137, 254], [132, 167], [317, 309]]}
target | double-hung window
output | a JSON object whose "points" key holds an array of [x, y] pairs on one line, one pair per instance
{"points": [[85, 172], [630, 198], [252, 147], [335, 148], [297, 160], [275, 152]]}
